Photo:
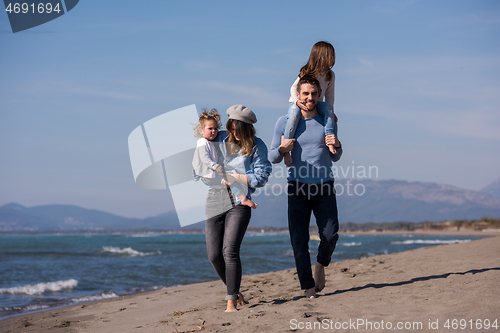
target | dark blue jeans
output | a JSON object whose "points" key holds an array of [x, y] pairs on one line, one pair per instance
{"points": [[319, 199], [224, 233]]}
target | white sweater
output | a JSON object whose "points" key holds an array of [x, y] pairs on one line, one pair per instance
{"points": [[327, 89], [205, 159]]}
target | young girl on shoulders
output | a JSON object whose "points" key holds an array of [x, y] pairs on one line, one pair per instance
{"points": [[319, 65]]}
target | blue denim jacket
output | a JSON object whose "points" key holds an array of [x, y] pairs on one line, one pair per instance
{"points": [[255, 166]]}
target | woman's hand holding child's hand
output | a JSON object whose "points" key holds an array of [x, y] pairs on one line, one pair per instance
{"points": [[228, 180]]}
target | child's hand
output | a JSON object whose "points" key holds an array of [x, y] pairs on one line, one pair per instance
{"points": [[224, 182], [219, 170], [301, 104]]}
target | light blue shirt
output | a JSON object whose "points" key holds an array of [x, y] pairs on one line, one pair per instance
{"points": [[311, 158]]}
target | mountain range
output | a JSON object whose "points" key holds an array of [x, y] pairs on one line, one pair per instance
{"points": [[492, 189], [359, 201], [392, 201]]}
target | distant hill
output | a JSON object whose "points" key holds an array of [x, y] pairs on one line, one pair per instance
{"points": [[381, 201], [492, 189], [67, 217], [396, 200], [390, 201]]}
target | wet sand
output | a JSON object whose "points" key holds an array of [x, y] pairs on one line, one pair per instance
{"points": [[418, 290]]}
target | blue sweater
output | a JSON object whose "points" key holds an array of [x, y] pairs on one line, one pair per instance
{"points": [[312, 160]]}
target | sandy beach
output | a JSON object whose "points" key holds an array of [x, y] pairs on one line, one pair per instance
{"points": [[443, 288]]}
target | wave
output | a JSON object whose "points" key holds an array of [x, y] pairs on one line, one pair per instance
{"points": [[431, 241], [137, 290], [351, 244], [128, 251], [25, 308], [40, 288], [5, 312], [259, 234], [94, 297], [145, 235]]}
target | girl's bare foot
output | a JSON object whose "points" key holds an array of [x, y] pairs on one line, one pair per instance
{"points": [[247, 202], [311, 293], [287, 158], [319, 277], [231, 306]]}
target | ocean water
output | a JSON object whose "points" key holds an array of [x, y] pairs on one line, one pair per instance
{"points": [[42, 272]]}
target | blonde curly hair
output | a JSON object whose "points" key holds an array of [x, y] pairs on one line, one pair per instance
{"points": [[211, 114]]}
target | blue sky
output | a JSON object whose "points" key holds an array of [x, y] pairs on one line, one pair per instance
{"points": [[417, 89]]}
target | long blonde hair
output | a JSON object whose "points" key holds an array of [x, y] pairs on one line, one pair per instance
{"points": [[211, 114], [321, 60], [246, 134]]}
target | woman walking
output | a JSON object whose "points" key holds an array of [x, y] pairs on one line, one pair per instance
{"points": [[245, 162]]}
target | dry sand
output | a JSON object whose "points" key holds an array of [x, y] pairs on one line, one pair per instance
{"points": [[428, 286]]}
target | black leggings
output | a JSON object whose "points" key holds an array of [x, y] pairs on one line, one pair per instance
{"points": [[224, 234]]}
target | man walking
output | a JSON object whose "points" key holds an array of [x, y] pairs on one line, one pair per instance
{"points": [[310, 186]]}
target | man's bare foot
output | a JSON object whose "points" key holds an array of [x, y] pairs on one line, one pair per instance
{"points": [[311, 293], [332, 149], [287, 158], [247, 202], [231, 306], [319, 277]]}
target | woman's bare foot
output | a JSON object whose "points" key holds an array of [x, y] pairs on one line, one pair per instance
{"points": [[319, 277], [287, 158], [231, 306], [247, 202], [241, 300], [311, 293]]}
